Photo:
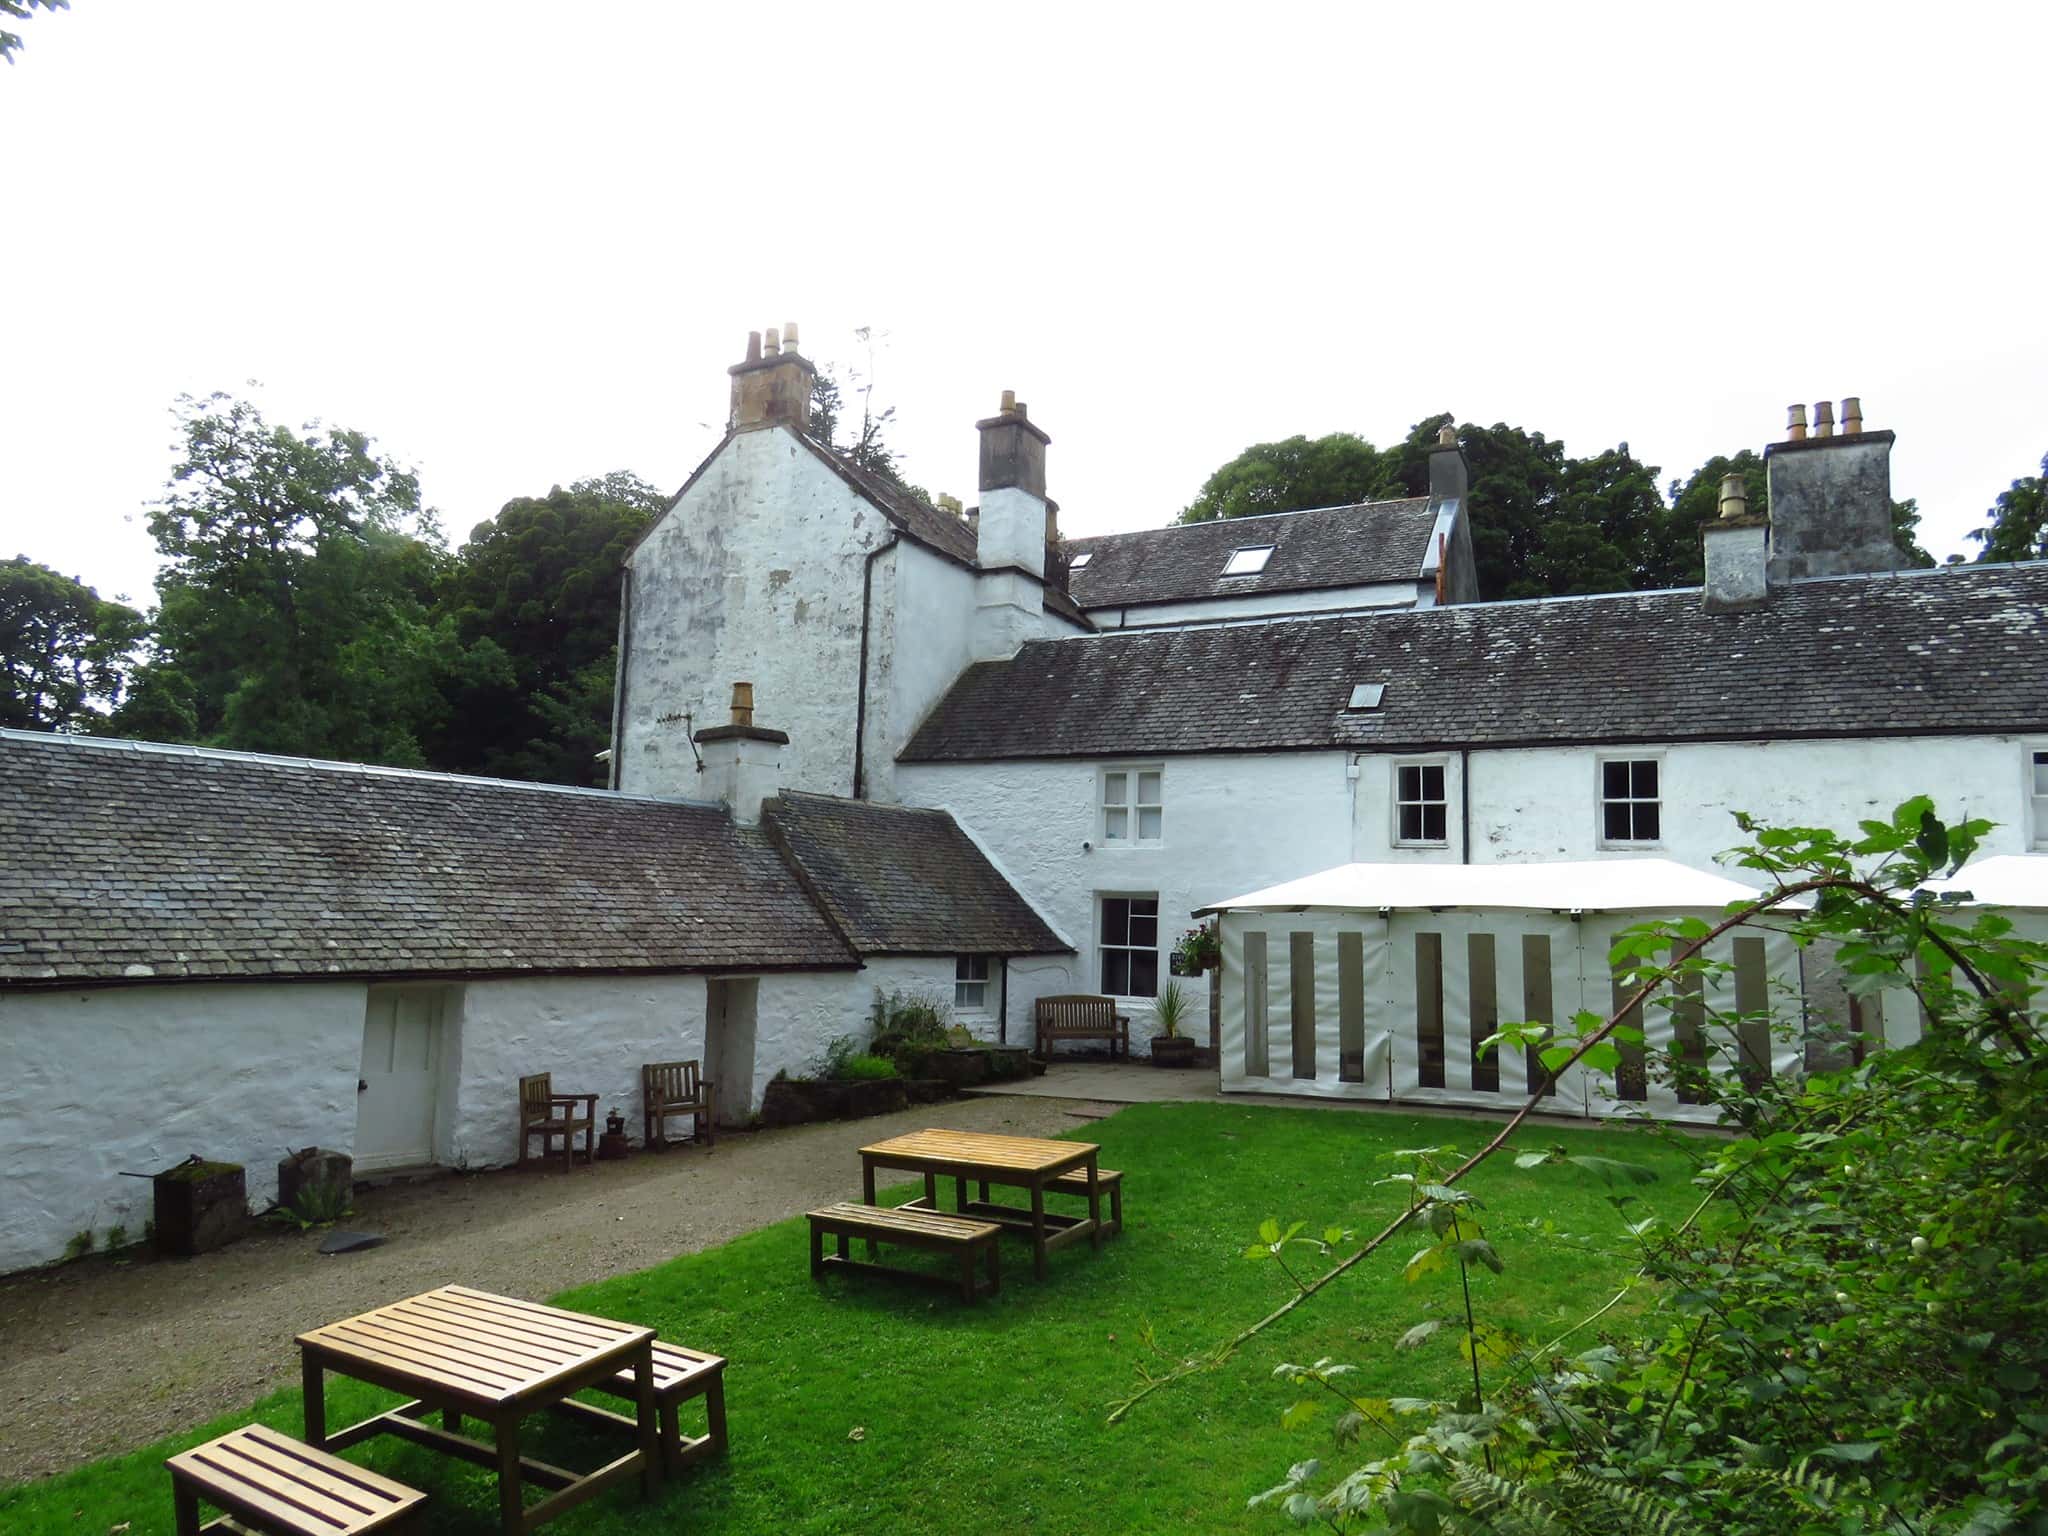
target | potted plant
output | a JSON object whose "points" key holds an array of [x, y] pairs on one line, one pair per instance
{"points": [[1171, 1048], [1197, 950]]}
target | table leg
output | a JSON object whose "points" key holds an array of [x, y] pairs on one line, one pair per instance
{"points": [[1094, 1204], [867, 1195], [313, 1382], [650, 1422], [1038, 1227], [931, 1190], [959, 1194], [451, 1420], [511, 1501], [185, 1504]]}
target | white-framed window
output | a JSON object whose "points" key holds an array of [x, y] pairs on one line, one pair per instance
{"points": [[1631, 807], [1133, 806], [1422, 809], [971, 983], [1248, 561], [1128, 950], [2037, 788], [1080, 561]]}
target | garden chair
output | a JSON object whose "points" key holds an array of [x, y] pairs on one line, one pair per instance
{"points": [[548, 1115], [670, 1088]]}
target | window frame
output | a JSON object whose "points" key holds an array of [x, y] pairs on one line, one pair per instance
{"points": [[1264, 551], [1102, 944], [1131, 808], [1601, 800], [1395, 802], [963, 966], [2034, 784], [1079, 562]]}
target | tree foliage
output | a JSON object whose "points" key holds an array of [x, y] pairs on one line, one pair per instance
{"points": [[20, 10], [2018, 529], [65, 652]]}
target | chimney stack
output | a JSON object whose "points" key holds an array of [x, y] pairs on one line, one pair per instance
{"points": [[772, 388], [1013, 529], [1737, 549], [742, 761], [1831, 497]]}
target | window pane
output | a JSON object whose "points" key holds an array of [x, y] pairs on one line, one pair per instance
{"points": [[1614, 780], [1116, 920], [970, 994], [1144, 973], [2041, 773], [1646, 822], [1408, 783], [1433, 823], [1116, 972], [1116, 825], [1144, 906], [1148, 789], [1144, 928], [1643, 780], [971, 968], [1411, 823], [1615, 822], [1114, 790], [1433, 782], [1148, 824]]}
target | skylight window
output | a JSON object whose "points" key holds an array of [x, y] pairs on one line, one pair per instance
{"points": [[1080, 560], [1247, 562], [1366, 695]]}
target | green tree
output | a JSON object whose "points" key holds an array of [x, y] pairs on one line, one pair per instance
{"points": [[1293, 475], [2018, 529], [65, 652], [1905, 534], [534, 601], [865, 445], [19, 10], [294, 606]]}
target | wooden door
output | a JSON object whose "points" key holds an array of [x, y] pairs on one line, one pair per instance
{"points": [[400, 1085]]}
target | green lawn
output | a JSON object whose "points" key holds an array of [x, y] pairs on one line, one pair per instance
{"points": [[991, 1418]]}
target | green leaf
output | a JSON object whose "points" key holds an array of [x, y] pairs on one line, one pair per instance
{"points": [[1415, 1336], [1532, 1159], [1269, 1231], [1477, 1250], [1298, 1414], [1612, 1170], [2018, 1378], [1932, 839], [1858, 1451]]}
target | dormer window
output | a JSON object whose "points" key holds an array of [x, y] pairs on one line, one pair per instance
{"points": [[1080, 561], [1248, 561]]}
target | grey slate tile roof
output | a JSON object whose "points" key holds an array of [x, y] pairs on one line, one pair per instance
{"points": [[120, 861], [1374, 541], [903, 881], [1954, 651]]}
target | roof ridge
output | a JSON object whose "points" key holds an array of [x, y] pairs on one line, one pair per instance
{"points": [[334, 765], [1247, 517]]}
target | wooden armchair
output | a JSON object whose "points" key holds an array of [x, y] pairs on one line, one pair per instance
{"points": [[548, 1114], [669, 1088]]}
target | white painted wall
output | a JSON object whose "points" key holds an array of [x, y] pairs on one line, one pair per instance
{"points": [[1251, 605], [137, 1079], [1231, 824]]}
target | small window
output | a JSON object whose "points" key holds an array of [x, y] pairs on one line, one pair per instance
{"points": [[1366, 696], [1129, 950], [1421, 808], [1247, 562], [970, 983], [1081, 560], [1629, 808], [2039, 787], [1133, 807]]}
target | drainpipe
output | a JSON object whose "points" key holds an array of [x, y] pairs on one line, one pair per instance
{"points": [[1464, 805], [1003, 1000], [860, 699], [614, 767]]}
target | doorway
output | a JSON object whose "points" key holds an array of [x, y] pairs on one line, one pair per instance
{"points": [[399, 1087], [729, 1010]]}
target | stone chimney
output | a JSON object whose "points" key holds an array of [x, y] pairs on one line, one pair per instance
{"points": [[772, 388], [1013, 529], [1450, 476], [1737, 547], [742, 761], [1831, 496]]}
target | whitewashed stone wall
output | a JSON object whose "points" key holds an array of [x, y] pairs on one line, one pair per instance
{"points": [[96, 1082]]}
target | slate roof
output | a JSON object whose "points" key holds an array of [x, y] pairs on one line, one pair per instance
{"points": [[903, 881], [1959, 650], [129, 861], [1374, 541]]}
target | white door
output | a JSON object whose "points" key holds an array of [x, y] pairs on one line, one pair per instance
{"points": [[401, 1078], [729, 1048]]}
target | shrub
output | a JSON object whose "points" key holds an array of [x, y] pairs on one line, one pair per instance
{"points": [[868, 1069]]}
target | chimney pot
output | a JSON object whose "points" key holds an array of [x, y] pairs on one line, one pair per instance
{"points": [[789, 335], [1734, 497], [1009, 402], [1447, 436], [1795, 423], [1824, 418], [1852, 414], [753, 346], [742, 703], [772, 347]]}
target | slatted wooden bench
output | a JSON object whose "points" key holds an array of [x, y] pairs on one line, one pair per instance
{"points": [[679, 1375], [268, 1482], [907, 1227], [1079, 1016], [1109, 1181]]}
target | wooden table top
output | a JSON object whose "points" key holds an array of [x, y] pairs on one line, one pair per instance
{"points": [[489, 1348], [975, 1149]]}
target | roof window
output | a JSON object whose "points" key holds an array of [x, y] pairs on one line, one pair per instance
{"points": [[1248, 561], [1366, 696], [1081, 560]]}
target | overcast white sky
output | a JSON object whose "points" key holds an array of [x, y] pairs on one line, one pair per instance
{"points": [[519, 243]]}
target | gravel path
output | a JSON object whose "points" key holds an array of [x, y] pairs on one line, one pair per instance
{"points": [[97, 1357]]}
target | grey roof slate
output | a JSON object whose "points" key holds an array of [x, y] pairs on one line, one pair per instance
{"points": [[903, 881], [1959, 650], [1374, 541], [127, 861]]}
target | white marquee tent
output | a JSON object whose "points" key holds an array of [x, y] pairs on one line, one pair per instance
{"points": [[2015, 885], [1377, 981]]}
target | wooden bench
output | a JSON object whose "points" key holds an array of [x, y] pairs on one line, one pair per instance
{"points": [[1108, 1181], [269, 1482], [679, 1375], [1081, 1017], [908, 1228], [671, 1088]]}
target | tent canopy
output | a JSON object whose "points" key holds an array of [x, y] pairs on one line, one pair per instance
{"points": [[2005, 880], [1601, 885]]}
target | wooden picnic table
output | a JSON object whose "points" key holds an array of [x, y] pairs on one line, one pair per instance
{"points": [[1026, 1162], [464, 1352]]}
